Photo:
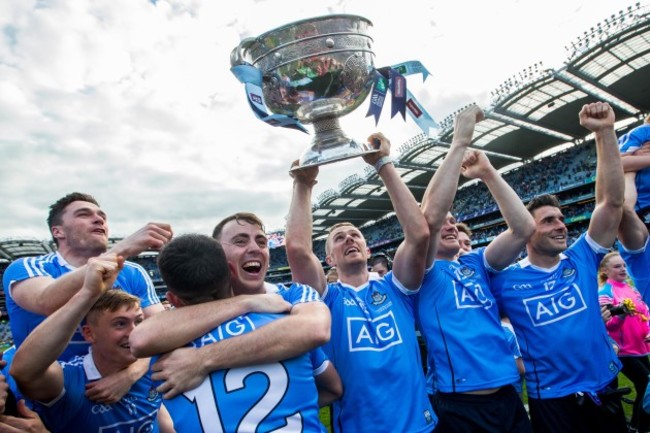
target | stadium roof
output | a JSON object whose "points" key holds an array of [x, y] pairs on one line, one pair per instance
{"points": [[531, 113], [15, 248]]}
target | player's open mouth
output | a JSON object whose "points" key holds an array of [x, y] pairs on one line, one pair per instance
{"points": [[253, 267], [351, 250]]}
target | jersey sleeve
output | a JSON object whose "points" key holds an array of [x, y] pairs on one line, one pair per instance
{"points": [[63, 408], [20, 270], [638, 263], [319, 360], [138, 283], [299, 294]]}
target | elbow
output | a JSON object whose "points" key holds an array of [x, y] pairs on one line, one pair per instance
{"points": [[419, 234], [140, 345], [321, 334], [322, 329], [526, 230], [614, 202], [297, 251], [17, 370]]}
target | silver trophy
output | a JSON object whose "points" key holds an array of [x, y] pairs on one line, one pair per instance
{"points": [[315, 70]]}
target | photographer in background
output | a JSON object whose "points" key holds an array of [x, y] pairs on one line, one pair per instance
{"points": [[626, 318]]}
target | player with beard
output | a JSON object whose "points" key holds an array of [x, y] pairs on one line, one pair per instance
{"points": [[374, 345], [38, 286], [551, 298]]}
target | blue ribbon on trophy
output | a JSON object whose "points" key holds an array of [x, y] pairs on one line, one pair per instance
{"points": [[402, 99], [251, 77]]}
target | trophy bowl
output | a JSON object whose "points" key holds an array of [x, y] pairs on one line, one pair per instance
{"points": [[315, 70]]}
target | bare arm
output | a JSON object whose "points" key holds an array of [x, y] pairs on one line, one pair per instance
{"points": [[635, 161], [45, 295], [35, 369], [503, 250], [610, 184], [175, 328], [632, 232], [153, 236], [410, 259], [441, 190], [329, 385], [307, 327], [110, 389], [165, 422], [305, 266]]}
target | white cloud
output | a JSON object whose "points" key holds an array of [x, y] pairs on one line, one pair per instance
{"points": [[134, 102]]}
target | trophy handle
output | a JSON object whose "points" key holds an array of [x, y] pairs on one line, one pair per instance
{"points": [[237, 54]]}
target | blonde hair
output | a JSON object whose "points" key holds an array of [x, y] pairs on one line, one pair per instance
{"points": [[112, 300], [602, 268], [329, 234]]}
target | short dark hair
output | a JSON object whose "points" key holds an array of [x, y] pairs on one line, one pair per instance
{"points": [[194, 268], [112, 300], [543, 200], [248, 217], [54, 218], [381, 258]]}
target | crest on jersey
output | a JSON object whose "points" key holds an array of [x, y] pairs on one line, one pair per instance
{"points": [[467, 272], [153, 394], [377, 297], [568, 272]]}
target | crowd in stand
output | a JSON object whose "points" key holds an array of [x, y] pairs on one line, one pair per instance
{"points": [[346, 339]]}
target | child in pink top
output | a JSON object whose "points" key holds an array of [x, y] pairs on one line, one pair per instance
{"points": [[626, 318]]}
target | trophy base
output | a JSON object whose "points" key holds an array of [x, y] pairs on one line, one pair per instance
{"points": [[330, 144], [323, 158]]}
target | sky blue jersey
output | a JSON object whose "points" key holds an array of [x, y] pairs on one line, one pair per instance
{"points": [[132, 279], [375, 350], [460, 321], [556, 317]]}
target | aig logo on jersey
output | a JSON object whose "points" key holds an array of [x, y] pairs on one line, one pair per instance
{"points": [[377, 334], [470, 296], [555, 306]]}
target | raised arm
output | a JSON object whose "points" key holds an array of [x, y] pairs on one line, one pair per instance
{"points": [[44, 295], [442, 187], [35, 368], [306, 327], [153, 236], [505, 248], [633, 162], [410, 258], [632, 232], [305, 266], [175, 328], [610, 184]]}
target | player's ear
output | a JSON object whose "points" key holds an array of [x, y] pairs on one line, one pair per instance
{"points": [[88, 333]]}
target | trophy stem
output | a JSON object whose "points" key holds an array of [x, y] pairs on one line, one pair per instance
{"points": [[330, 144], [328, 133]]}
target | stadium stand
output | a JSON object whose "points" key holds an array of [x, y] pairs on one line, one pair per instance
{"points": [[532, 114]]}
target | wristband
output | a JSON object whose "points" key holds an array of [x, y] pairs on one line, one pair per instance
{"points": [[382, 162]]}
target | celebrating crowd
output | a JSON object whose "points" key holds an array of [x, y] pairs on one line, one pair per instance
{"points": [[95, 351]]}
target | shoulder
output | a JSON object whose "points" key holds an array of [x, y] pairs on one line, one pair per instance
{"points": [[299, 292], [133, 269]]}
